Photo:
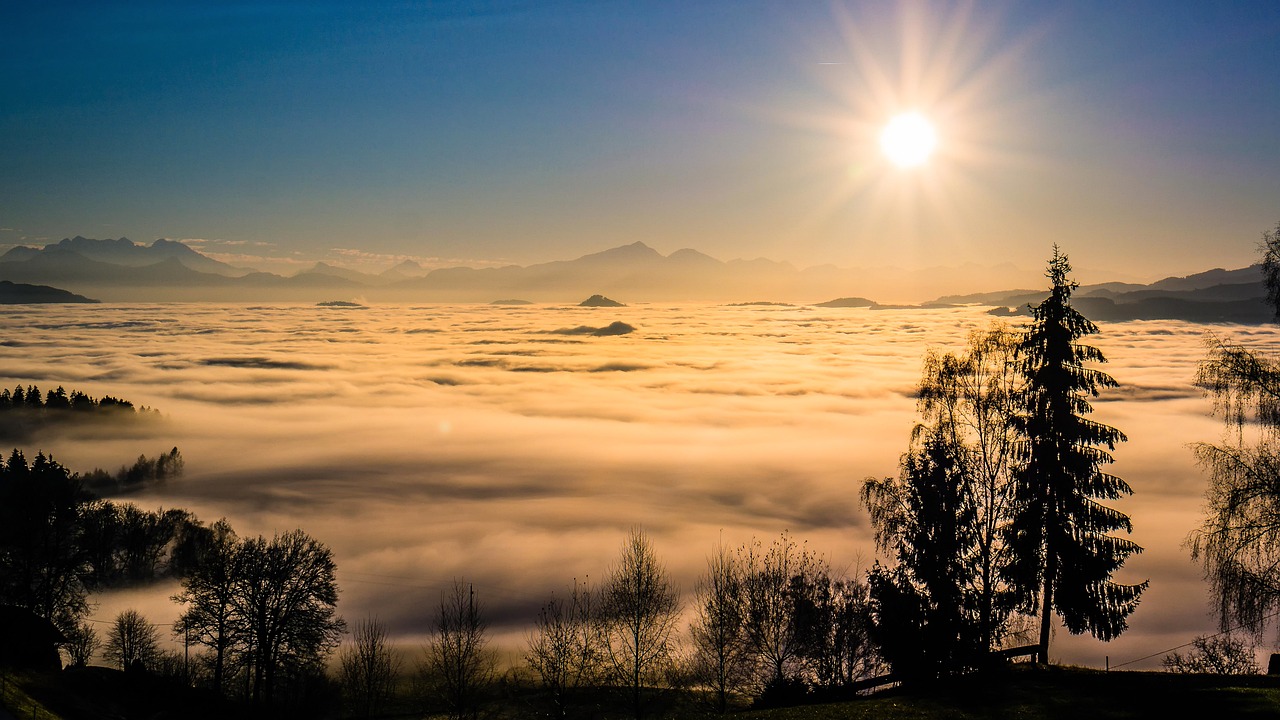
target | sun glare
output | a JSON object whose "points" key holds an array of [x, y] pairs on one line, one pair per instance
{"points": [[908, 140]]}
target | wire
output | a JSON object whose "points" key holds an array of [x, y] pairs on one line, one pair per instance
{"points": [[1193, 642]]}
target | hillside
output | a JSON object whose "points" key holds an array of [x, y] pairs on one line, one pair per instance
{"points": [[1021, 691], [19, 294], [1058, 693]]}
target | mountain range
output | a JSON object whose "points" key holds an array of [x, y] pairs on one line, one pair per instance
{"points": [[120, 270]]}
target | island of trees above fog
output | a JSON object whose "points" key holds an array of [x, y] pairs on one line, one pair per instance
{"points": [[121, 270], [996, 525]]}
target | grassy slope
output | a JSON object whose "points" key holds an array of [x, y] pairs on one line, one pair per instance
{"points": [[1060, 693], [1018, 694]]}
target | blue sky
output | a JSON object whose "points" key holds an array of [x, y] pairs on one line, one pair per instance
{"points": [[1142, 138]]}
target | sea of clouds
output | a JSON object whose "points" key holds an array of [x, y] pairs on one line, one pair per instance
{"points": [[427, 443]]}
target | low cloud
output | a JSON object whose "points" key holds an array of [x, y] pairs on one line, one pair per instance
{"points": [[613, 328], [263, 363], [433, 442]]}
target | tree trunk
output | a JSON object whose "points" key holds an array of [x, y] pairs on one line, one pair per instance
{"points": [[1046, 611]]}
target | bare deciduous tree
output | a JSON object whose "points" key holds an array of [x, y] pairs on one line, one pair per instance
{"points": [[459, 663], [769, 579], [132, 642], [285, 596], [641, 609], [1218, 655], [563, 649], [719, 654], [209, 592], [369, 668], [82, 643]]}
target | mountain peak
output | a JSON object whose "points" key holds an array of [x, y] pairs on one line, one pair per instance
{"points": [[81, 242], [692, 257], [636, 251]]}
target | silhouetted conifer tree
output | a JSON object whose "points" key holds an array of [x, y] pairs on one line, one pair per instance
{"points": [[1064, 554], [926, 613], [42, 563]]}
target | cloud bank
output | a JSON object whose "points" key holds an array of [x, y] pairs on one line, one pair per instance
{"points": [[424, 443]]}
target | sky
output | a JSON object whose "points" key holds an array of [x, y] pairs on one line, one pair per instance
{"points": [[1139, 136], [428, 443]]}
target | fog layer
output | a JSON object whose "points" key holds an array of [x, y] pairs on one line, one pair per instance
{"points": [[424, 443]]}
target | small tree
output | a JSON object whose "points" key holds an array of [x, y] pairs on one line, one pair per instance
{"points": [[641, 609], [459, 662], [719, 654], [132, 643], [771, 578], [1218, 655], [209, 591], [926, 624], [82, 643], [564, 649], [833, 620], [369, 668]]}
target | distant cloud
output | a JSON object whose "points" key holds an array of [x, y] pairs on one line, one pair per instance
{"points": [[264, 363], [372, 262], [614, 328]]}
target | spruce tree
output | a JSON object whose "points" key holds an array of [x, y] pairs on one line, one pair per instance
{"points": [[1060, 535], [924, 609]]}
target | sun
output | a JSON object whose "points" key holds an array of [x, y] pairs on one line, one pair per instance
{"points": [[908, 140]]}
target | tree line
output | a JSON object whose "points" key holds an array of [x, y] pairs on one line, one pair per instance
{"points": [[59, 541], [26, 411], [30, 398], [995, 519]]}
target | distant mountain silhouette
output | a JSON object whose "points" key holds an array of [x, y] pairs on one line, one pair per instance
{"points": [[17, 293], [600, 301], [1214, 296], [121, 270], [847, 302], [124, 251], [402, 271], [354, 276]]}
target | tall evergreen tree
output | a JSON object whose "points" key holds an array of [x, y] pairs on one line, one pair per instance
{"points": [[1064, 554]]}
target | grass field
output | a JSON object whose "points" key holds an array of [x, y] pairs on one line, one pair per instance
{"points": [[1018, 693]]}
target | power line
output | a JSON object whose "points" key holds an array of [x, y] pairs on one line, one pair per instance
{"points": [[1193, 642]]}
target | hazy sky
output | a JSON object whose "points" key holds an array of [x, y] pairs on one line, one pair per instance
{"points": [[1141, 136]]}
